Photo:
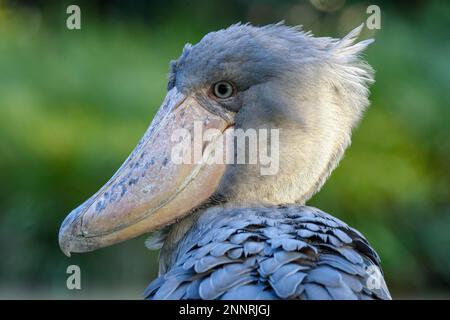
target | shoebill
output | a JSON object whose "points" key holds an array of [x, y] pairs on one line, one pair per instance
{"points": [[227, 229]]}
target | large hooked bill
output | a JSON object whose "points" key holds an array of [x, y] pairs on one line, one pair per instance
{"points": [[150, 190]]}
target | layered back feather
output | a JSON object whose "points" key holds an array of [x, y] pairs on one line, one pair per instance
{"points": [[290, 252]]}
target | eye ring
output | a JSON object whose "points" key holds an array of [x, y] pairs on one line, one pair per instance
{"points": [[223, 89]]}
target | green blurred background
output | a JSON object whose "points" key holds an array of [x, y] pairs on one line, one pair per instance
{"points": [[73, 104]]}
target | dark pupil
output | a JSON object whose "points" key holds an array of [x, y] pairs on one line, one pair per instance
{"points": [[222, 89]]}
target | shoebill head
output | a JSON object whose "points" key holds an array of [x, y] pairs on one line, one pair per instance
{"points": [[312, 90]]}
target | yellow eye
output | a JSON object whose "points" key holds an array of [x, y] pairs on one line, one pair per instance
{"points": [[223, 89]]}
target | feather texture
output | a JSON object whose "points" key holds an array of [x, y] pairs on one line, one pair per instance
{"points": [[288, 252]]}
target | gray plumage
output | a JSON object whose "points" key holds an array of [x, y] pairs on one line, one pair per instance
{"points": [[263, 243], [288, 252], [240, 229]]}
